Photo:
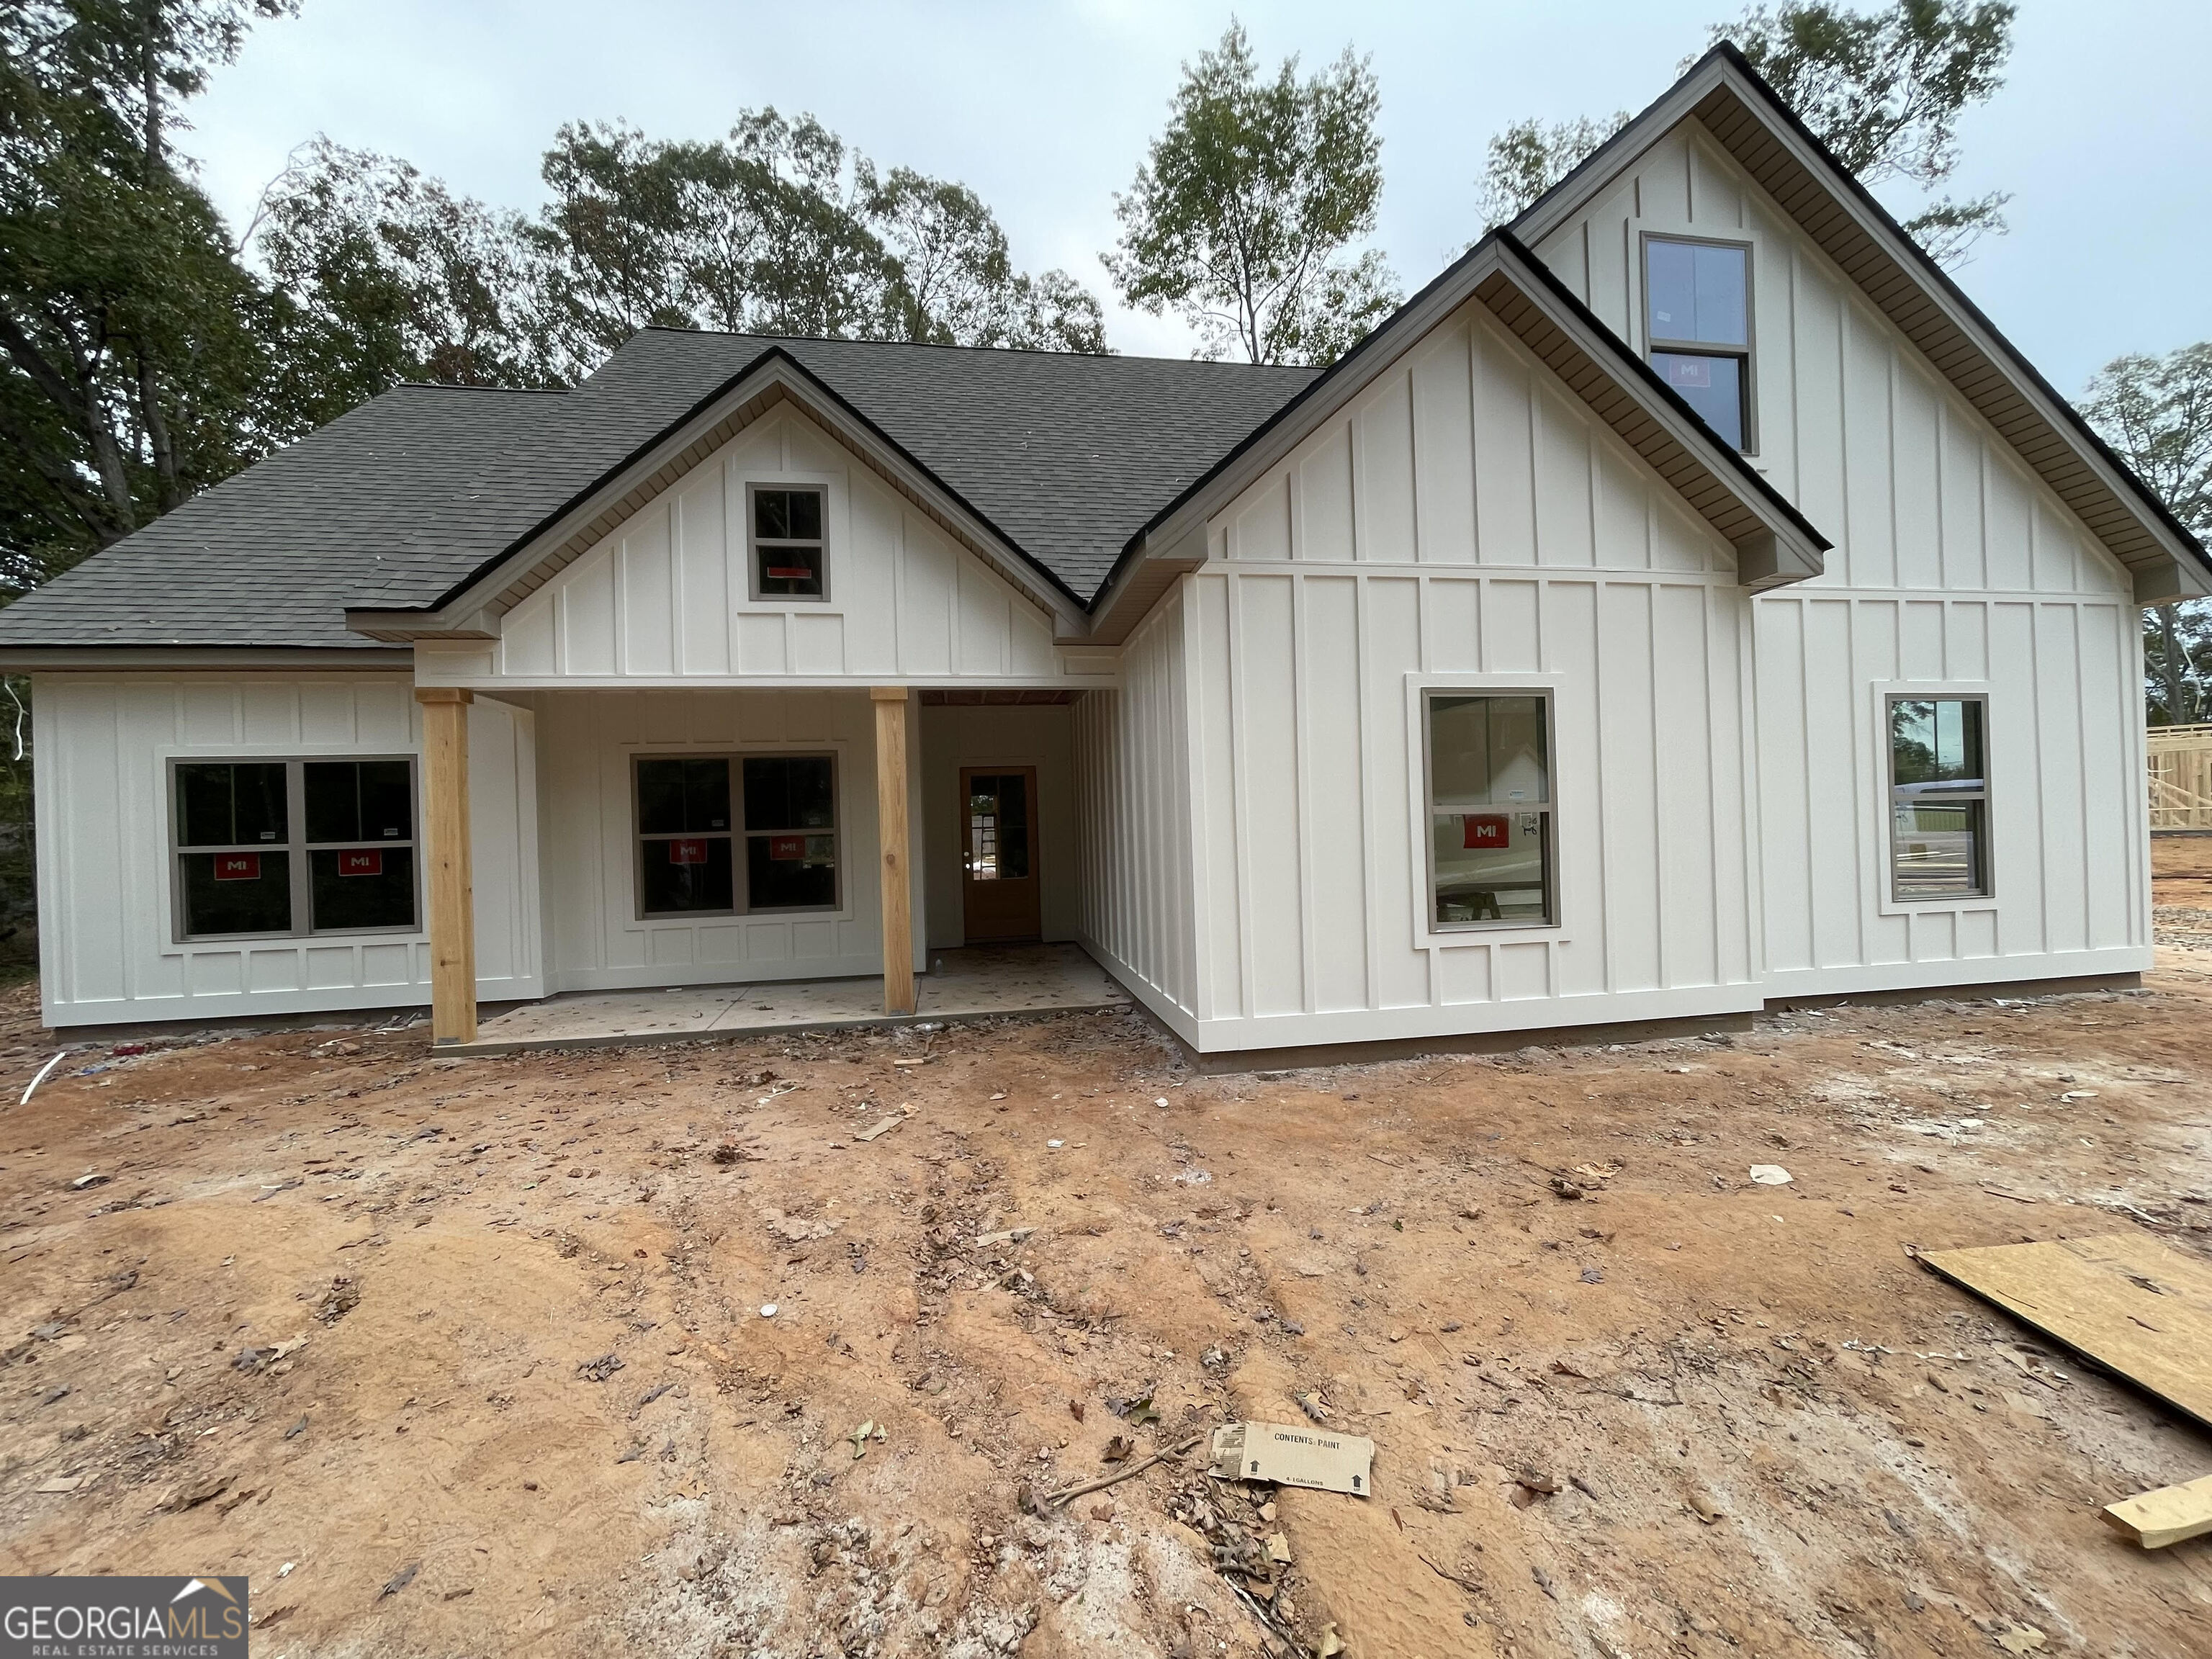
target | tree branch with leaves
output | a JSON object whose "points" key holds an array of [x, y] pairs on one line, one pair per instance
{"points": [[1242, 218]]}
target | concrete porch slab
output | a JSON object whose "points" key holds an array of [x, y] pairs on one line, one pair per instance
{"points": [[981, 982]]}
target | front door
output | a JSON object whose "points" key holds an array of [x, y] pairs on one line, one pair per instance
{"points": [[998, 853]]}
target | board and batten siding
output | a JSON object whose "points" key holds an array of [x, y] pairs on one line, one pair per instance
{"points": [[1133, 812], [1954, 567], [665, 597], [597, 941], [107, 950], [1464, 524]]}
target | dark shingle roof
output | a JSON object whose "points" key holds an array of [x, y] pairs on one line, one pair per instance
{"points": [[403, 499]]}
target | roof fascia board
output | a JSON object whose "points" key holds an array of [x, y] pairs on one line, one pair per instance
{"points": [[1724, 69], [775, 370], [204, 658], [1792, 547]]}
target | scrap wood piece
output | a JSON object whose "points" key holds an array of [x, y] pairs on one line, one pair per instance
{"points": [[2126, 1303], [2155, 1519]]}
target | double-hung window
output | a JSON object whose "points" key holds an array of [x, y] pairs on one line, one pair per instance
{"points": [[787, 551], [1491, 846], [1697, 298], [719, 835], [294, 846], [1939, 794]]}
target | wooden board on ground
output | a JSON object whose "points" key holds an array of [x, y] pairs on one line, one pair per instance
{"points": [[2126, 1303], [2155, 1519]]}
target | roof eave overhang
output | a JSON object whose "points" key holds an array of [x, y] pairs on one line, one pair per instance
{"points": [[1774, 544], [202, 658], [472, 609], [1746, 118]]}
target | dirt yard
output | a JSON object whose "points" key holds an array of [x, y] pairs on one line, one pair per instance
{"points": [[570, 1354]]}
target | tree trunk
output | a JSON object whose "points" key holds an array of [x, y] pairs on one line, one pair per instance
{"points": [[168, 491]]}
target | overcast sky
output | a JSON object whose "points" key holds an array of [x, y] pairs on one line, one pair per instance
{"points": [[2103, 132]]}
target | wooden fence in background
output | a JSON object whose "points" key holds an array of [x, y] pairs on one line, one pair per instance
{"points": [[2180, 777]]}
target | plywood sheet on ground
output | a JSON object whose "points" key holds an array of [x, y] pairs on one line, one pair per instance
{"points": [[2126, 1301]]}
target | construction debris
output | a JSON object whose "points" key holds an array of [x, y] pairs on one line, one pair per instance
{"points": [[1285, 1456], [2155, 1519]]}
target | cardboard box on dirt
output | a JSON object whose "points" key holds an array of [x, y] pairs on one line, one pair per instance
{"points": [[1287, 1455]]}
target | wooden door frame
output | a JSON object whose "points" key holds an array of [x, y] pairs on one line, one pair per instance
{"points": [[1029, 768]]}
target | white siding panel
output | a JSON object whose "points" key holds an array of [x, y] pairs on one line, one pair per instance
{"points": [[108, 949], [1134, 820], [588, 743], [1533, 529], [665, 596]]}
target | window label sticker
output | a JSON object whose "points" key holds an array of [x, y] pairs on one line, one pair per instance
{"points": [[361, 861], [789, 573], [238, 866], [787, 848], [687, 852], [1486, 829]]}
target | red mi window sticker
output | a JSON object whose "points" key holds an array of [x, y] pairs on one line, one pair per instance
{"points": [[789, 573], [1486, 829], [363, 861], [687, 852], [238, 866], [787, 848]]}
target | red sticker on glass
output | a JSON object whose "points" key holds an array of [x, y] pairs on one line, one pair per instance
{"points": [[789, 573], [238, 866], [787, 848], [361, 861], [687, 852], [1486, 829]]}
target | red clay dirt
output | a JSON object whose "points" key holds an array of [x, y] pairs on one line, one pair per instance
{"points": [[538, 1406]]}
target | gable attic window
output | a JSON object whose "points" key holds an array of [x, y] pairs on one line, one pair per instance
{"points": [[786, 532], [1697, 327]]}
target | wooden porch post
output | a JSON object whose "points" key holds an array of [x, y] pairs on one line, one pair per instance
{"points": [[453, 903], [891, 703]]}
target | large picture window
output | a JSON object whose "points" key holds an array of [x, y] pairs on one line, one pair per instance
{"points": [[1491, 848], [1938, 792], [723, 834], [294, 846], [1697, 298]]}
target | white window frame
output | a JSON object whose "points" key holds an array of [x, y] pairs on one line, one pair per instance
{"points": [[737, 834], [1428, 933], [1748, 352], [295, 846], [754, 543], [1885, 693]]}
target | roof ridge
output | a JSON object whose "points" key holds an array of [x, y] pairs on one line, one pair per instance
{"points": [[954, 346]]}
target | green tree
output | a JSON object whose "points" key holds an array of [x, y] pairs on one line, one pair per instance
{"points": [[380, 274], [1529, 157], [1242, 218], [1884, 90], [131, 362], [2157, 413]]}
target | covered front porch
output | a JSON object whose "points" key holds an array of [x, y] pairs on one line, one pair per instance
{"points": [[695, 862], [969, 983]]}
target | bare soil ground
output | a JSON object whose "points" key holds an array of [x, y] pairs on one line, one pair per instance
{"points": [[540, 1404]]}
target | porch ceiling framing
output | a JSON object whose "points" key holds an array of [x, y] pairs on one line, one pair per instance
{"points": [[471, 610]]}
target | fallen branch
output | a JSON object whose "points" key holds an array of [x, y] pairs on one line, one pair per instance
{"points": [[1122, 1474]]}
